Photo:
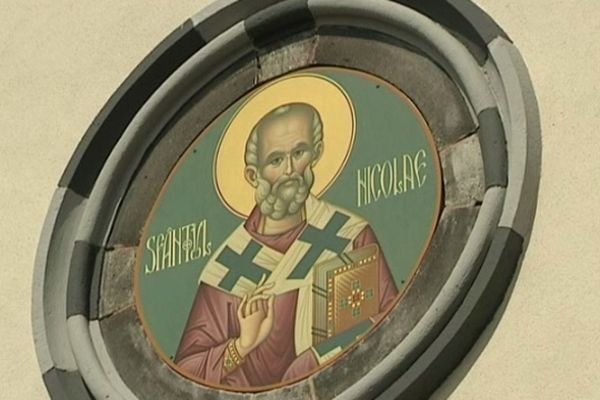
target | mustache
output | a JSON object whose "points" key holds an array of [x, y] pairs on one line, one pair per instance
{"points": [[295, 176]]}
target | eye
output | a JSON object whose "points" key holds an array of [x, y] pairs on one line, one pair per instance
{"points": [[299, 153], [276, 161]]}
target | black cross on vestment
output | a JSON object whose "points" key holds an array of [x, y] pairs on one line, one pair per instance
{"points": [[320, 240], [241, 265]]}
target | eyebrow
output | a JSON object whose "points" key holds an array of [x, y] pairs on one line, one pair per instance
{"points": [[274, 155], [301, 146]]}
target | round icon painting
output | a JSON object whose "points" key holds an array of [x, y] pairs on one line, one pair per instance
{"points": [[288, 229]]}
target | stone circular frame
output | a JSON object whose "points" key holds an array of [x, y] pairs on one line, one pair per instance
{"points": [[458, 67]]}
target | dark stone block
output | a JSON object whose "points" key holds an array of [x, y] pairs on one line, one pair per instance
{"points": [[455, 223], [474, 314], [85, 258], [94, 296], [429, 87], [167, 150], [116, 290], [65, 385], [493, 148], [485, 26], [230, 15], [467, 22], [106, 129], [279, 21]]}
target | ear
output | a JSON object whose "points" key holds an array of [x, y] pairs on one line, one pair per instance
{"points": [[318, 152], [251, 174]]}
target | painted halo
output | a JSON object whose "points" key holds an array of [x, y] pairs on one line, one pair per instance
{"points": [[88, 338], [338, 119]]}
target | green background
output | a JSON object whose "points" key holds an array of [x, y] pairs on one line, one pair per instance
{"points": [[386, 128]]}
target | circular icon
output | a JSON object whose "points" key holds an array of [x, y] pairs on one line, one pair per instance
{"points": [[338, 122]]}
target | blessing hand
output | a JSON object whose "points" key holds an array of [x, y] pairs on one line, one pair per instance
{"points": [[255, 315]]}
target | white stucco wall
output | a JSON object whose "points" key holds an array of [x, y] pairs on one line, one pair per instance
{"points": [[60, 60]]}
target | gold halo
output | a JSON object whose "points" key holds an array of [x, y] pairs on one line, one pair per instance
{"points": [[337, 114]]}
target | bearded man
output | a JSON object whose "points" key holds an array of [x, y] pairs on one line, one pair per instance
{"points": [[251, 323]]}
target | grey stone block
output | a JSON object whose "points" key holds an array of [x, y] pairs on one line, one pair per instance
{"points": [[523, 136], [428, 86], [462, 167], [116, 290], [38, 317], [288, 57], [51, 281]]}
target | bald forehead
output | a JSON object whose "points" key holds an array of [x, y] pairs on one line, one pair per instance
{"points": [[283, 133], [294, 113]]}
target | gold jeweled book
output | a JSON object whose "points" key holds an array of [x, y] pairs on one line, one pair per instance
{"points": [[345, 292]]}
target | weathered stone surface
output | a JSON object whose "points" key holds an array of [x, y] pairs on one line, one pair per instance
{"points": [[447, 244], [207, 105], [66, 385], [432, 91], [116, 291], [287, 58], [148, 377], [462, 167], [300, 390], [144, 373]]}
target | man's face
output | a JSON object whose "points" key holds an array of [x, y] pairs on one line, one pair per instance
{"points": [[285, 156], [285, 147]]}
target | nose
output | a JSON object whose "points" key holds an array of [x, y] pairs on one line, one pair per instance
{"points": [[289, 168]]}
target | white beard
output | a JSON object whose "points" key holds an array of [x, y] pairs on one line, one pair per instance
{"points": [[277, 202]]}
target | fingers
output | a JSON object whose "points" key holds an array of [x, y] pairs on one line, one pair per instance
{"points": [[262, 280], [241, 311], [261, 289], [257, 300], [262, 306], [270, 303], [254, 304]]}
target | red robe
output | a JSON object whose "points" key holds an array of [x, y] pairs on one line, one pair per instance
{"points": [[213, 323]]}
